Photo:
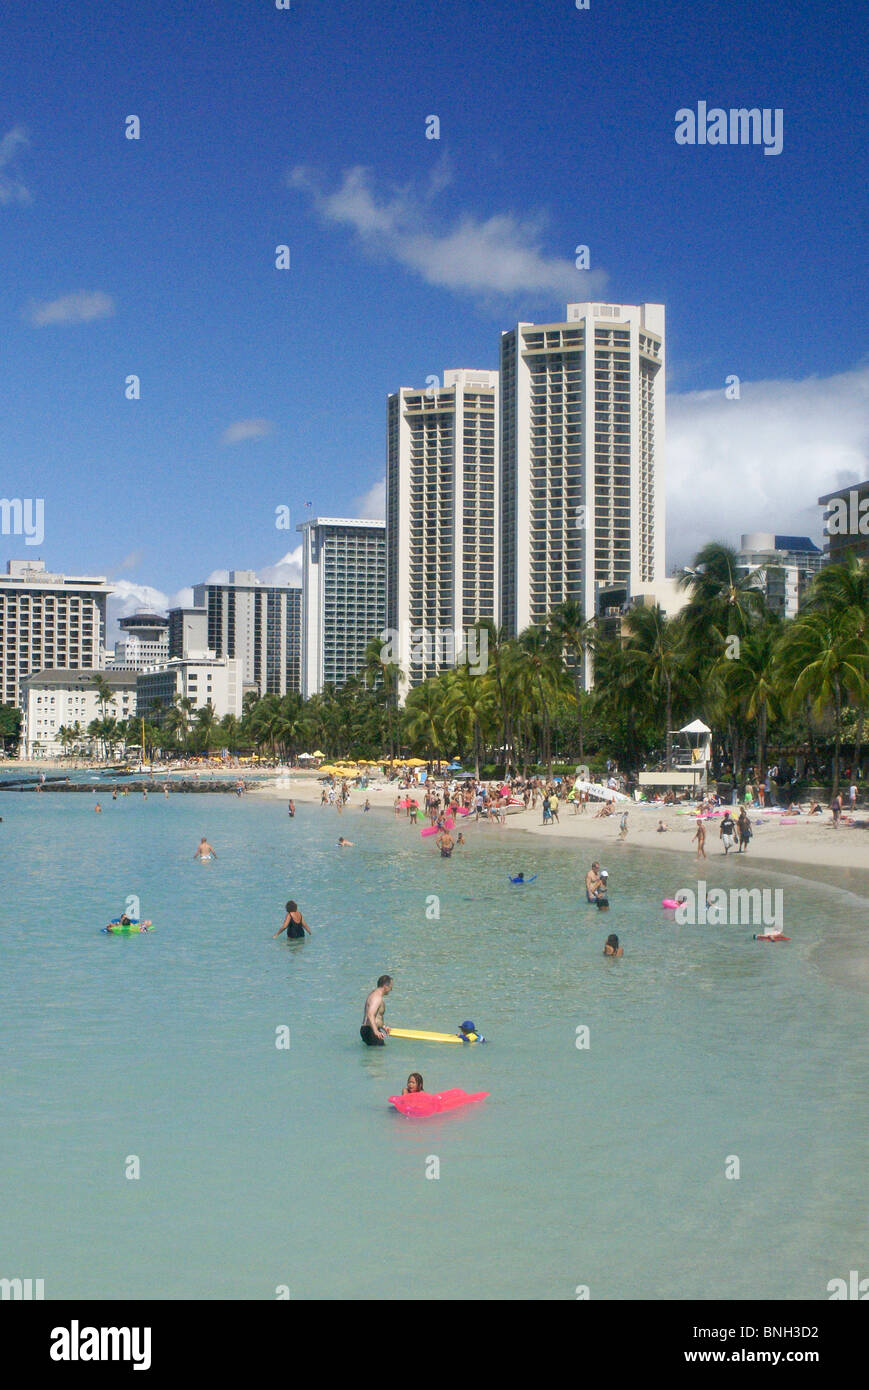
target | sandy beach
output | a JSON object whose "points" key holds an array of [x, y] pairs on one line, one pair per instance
{"points": [[808, 848]]}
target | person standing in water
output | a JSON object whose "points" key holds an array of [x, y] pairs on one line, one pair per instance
{"points": [[294, 924], [291, 809], [204, 851], [612, 947], [445, 843], [374, 1031]]}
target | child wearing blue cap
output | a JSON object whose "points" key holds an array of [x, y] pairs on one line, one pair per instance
{"points": [[468, 1033]]}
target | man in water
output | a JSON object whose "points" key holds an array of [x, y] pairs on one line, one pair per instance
{"points": [[446, 844], [344, 844], [374, 1031], [291, 809], [593, 882], [204, 851]]}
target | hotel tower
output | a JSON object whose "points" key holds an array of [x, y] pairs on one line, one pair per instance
{"points": [[441, 518], [582, 458]]}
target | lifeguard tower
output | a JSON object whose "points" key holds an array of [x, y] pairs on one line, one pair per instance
{"points": [[689, 753]]}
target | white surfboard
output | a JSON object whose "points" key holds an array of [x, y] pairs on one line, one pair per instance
{"points": [[598, 790]]}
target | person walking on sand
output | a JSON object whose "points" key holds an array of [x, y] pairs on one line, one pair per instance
{"points": [[700, 836], [836, 808], [743, 830], [727, 832], [852, 797], [623, 826]]}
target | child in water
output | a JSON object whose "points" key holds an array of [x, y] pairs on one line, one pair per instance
{"points": [[414, 1084], [612, 947], [468, 1033]]}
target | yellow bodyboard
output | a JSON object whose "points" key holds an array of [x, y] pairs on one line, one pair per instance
{"points": [[420, 1035]]}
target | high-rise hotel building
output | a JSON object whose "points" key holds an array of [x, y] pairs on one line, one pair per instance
{"points": [[258, 625], [343, 597], [441, 517], [48, 622], [582, 458]]}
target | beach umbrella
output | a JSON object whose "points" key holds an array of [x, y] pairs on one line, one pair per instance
{"points": [[318, 753]]}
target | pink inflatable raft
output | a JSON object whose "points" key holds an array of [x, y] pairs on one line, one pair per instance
{"points": [[422, 1104]]}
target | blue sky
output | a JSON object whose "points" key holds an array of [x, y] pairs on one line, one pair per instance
{"points": [[260, 127]]}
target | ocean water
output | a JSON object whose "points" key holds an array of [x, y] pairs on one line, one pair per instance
{"points": [[263, 1168]]}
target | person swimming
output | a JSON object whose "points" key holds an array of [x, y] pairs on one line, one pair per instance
{"points": [[612, 947], [518, 878], [468, 1033], [344, 844], [414, 1085], [294, 924]]}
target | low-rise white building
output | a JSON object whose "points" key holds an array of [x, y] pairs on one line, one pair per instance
{"points": [[201, 677], [65, 699]]}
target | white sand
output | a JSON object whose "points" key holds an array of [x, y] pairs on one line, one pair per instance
{"points": [[807, 845]]}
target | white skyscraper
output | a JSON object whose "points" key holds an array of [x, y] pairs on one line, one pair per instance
{"points": [[343, 597], [48, 622], [582, 458], [441, 517], [256, 624]]}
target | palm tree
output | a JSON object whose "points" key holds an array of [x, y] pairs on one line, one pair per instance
{"points": [[538, 676], [576, 633], [751, 691], [655, 653], [206, 727], [104, 699], [723, 602], [825, 657], [469, 706], [425, 717], [841, 590], [387, 674]]}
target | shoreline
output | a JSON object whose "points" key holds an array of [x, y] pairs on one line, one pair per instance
{"points": [[808, 849]]}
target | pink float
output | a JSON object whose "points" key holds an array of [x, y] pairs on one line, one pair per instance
{"points": [[448, 824], [422, 1104]]}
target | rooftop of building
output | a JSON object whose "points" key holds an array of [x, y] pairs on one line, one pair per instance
{"points": [[340, 521], [843, 491], [61, 675]]}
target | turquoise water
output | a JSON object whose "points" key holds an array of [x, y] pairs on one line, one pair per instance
{"points": [[263, 1167]]}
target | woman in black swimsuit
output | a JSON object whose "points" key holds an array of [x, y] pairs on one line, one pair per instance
{"points": [[294, 923]]}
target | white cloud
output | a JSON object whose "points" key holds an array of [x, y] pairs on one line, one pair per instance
{"points": [[12, 190], [371, 506], [501, 254], [760, 463], [127, 598], [285, 571], [82, 306], [241, 430]]}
